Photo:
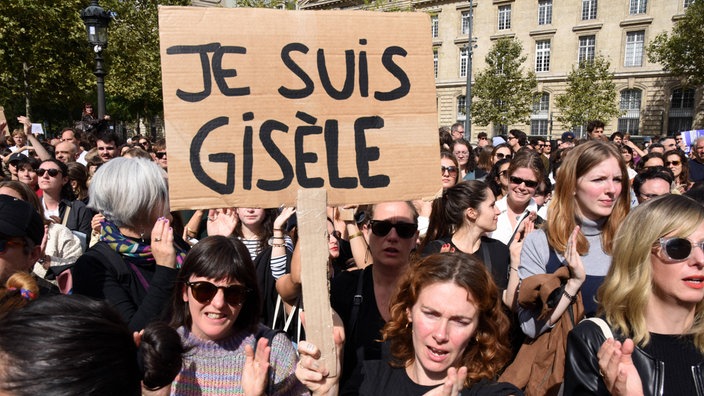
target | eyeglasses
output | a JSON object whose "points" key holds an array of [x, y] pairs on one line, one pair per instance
{"points": [[204, 292], [52, 172], [673, 163], [518, 180], [449, 169], [502, 156], [336, 234], [160, 154], [4, 243], [678, 249], [404, 230]]}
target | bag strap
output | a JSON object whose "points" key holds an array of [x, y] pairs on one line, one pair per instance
{"points": [[603, 325], [66, 212], [356, 302]]}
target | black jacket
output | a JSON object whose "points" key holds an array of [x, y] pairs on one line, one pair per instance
{"points": [[582, 366]]}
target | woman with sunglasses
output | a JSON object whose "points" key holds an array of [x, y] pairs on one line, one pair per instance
{"points": [[391, 232], [676, 161], [653, 302], [447, 335], [501, 151], [524, 175], [591, 200], [215, 308], [497, 179], [134, 264], [58, 200], [450, 175]]}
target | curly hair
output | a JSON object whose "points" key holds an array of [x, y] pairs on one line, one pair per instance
{"points": [[489, 350]]}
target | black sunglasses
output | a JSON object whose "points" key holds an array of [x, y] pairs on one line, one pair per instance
{"points": [[518, 180], [52, 172], [204, 292], [678, 249], [4, 243], [160, 154], [502, 156], [382, 228], [673, 163], [448, 169]]}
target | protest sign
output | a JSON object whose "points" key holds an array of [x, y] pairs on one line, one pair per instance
{"points": [[260, 103]]}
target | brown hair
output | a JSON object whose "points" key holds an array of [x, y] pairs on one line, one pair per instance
{"points": [[488, 352], [561, 216]]}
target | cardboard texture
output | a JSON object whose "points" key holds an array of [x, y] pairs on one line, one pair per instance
{"points": [[312, 231], [260, 103]]}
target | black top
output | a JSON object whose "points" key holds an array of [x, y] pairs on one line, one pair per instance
{"points": [[679, 355], [382, 379], [497, 263], [362, 342], [103, 274]]}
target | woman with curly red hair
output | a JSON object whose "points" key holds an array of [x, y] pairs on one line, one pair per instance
{"points": [[447, 330]]}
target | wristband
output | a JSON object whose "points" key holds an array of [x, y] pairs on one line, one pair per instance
{"points": [[572, 298], [355, 235]]}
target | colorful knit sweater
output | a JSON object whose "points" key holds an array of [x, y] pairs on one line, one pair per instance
{"points": [[215, 367]]}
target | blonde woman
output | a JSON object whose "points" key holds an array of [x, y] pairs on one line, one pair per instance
{"points": [[652, 299]]}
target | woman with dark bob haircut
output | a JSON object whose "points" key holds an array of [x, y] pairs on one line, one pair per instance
{"points": [[216, 305], [74, 345], [447, 329]]}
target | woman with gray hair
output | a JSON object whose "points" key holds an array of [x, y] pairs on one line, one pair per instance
{"points": [[134, 265]]}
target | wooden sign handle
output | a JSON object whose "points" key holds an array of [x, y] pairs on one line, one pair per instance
{"points": [[312, 232]]}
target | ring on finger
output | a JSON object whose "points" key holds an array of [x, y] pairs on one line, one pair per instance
{"points": [[157, 239]]}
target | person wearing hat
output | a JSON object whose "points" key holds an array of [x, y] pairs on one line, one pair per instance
{"points": [[21, 234], [12, 162], [567, 140]]}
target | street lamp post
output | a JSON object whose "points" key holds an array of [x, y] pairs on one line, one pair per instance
{"points": [[468, 96], [97, 21]]}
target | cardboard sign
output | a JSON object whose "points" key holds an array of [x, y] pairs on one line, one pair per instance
{"points": [[260, 103]]}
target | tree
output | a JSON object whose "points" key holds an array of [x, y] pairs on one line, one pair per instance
{"points": [[591, 94], [502, 91], [42, 52], [682, 52], [133, 84]]}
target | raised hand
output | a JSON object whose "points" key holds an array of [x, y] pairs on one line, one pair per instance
{"points": [[222, 221], [283, 217], [574, 261], [454, 382], [162, 238], [616, 368], [255, 375]]}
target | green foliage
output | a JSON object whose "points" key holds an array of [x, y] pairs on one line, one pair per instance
{"points": [[590, 95], [502, 91], [43, 51], [133, 83], [682, 52]]}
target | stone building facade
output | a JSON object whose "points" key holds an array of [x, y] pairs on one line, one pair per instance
{"points": [[555, 36]]}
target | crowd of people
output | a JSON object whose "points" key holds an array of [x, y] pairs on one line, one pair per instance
{"points": [[480, 290]]}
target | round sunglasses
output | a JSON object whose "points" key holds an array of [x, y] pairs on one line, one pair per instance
{"points": [[204, 292], [678, 249]]}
